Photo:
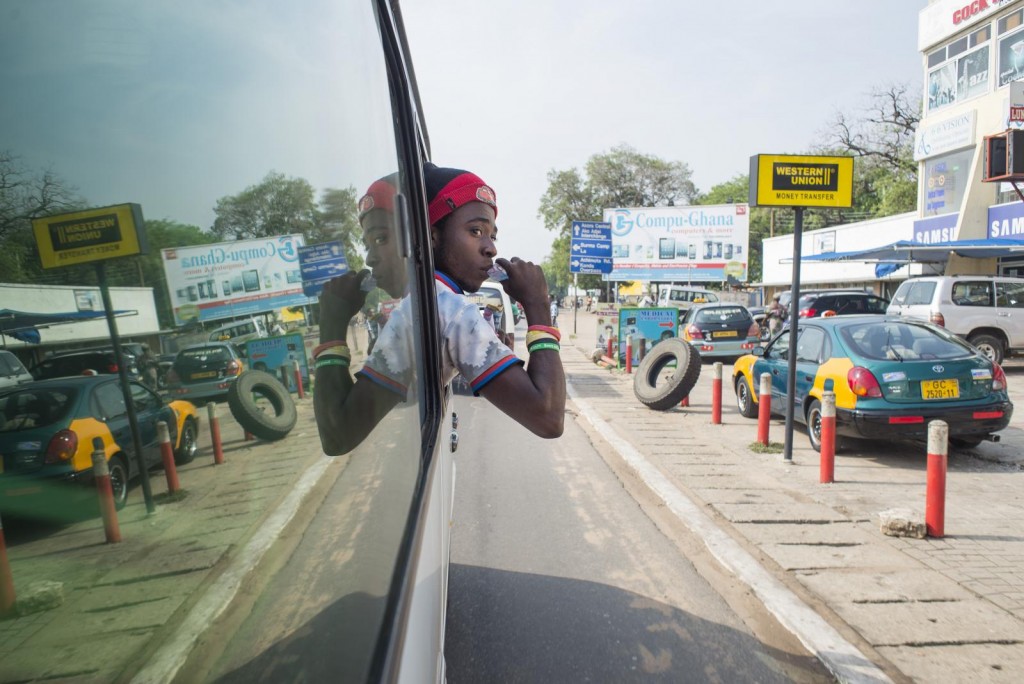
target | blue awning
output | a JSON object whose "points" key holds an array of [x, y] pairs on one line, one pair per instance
{"points": [[908, 251]]}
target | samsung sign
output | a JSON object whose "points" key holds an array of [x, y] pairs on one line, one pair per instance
{"points": [[1006, 221], [936, 229]]}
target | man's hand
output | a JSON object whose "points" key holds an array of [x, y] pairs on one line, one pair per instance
{"points": [[340, 301], [526, 283]]}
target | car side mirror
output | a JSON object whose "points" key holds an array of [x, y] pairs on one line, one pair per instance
{"points": [[758, 351]]}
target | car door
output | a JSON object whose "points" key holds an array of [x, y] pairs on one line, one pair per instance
{"points": [[809, 348], [150, 409], [775, 362], [108, 405], [1010, 310]]}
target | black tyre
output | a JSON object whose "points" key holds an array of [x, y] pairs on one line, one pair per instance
{"points": [[118, 468], [672, 390], [744, 399], [244, 400], [814, 427], [990, 346], [188, 445], [965, 442]]}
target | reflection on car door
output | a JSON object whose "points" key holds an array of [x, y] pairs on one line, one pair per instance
{"points": [[1010, 310], [809, 346], [149, 409]]}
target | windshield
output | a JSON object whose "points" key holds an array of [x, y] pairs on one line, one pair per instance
{"points": [[722, 314], [34, 408], [898, 341]]}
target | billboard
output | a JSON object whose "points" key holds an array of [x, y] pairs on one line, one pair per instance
{"points": [[227, 279], [787, 180], [92, 235], [682, 244]]}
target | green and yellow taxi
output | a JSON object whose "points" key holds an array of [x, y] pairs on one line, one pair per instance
{"points": [[890, 376], [47, 430]]}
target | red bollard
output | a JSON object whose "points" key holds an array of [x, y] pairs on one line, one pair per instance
{"points": [[685, 402], [629, 354], [218, 450], [101, 474], [610, 348], [167, 456], [827, 465], [716, 394], [248, 436], [764, 408], [6, 577], [935, 498], [298, 379]]}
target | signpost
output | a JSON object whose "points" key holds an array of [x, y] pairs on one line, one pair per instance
{"points": [[94, 236], [319, 263], [590, 251], [782, 180]]}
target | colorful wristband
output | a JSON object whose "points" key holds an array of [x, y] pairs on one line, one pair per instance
{"points": [[546, 328], [544, 345], [331, 362], [328, 345], [536, 336]]}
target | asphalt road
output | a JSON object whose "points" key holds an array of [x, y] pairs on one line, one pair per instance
{"points": [[559, 574]]}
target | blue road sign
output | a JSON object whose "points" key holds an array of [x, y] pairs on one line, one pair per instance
{"points": [[590, 247], [320, 263]]}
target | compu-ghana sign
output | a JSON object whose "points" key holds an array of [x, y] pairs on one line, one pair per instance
{"points": [[92, 235], [783, 180]]}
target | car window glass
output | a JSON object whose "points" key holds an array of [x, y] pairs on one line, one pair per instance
{"points": [[876, 304], [896, 341], [808, 345], [972, 293], [142, 398], [723, 314], [1010, 295], [920, 293], [780, 349], [5, 367], [34, 408], [110, 400]]}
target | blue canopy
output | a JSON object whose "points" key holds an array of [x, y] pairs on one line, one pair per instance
{"points": [[908, 251], [24, 325]]}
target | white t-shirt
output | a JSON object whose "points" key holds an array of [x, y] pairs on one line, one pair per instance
{"points": [[470, 345]]}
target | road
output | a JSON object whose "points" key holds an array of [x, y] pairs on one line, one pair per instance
{"points": [[559, 574]]}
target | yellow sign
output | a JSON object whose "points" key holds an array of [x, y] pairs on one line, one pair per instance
{"points": [[92, 235], [784, 180]]}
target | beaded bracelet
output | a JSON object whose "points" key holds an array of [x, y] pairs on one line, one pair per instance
{"points": [[331, 362], [546, 328], [544, 345], [342, 352], [536, 335], [329, 345]]}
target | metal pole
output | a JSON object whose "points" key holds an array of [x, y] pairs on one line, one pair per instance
{"points": [[126, 392], [576, 293], [794, 313]]}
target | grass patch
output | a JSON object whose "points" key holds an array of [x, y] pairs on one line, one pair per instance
{"points": [[770, 448], [168, 497]]}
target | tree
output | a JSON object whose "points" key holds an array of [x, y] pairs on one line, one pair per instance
{"points": [[736, 190], [340, 222], [149, 268], [277, 205], [621, 177]]}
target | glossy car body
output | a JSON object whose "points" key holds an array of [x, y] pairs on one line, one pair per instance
{"points": [[204, 371], [87, 362], [891, 377], [47, 430], [720, 330]]}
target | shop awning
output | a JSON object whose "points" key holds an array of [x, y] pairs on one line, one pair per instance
{"points": [[908, 251], [24, 325]]}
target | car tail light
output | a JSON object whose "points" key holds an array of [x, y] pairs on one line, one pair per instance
{"points": [[62, 447], [112, 368], [172, 377], [694, 333], [987, 415], [808, 313], [754, 330], [234, 368], [905, 420], [998, 378], [937, 318], [863, 383]]}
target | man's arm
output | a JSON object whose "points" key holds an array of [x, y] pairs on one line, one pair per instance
{"points": [[534, 396]]}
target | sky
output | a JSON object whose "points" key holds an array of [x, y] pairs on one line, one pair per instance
{"points": [[512, 89]]}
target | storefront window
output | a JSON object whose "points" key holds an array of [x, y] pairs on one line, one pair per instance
{"points": [[945, 180], [959, 74], [1011, 57]]}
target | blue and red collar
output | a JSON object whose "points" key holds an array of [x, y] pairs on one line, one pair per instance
{"points": [[448, 282]]}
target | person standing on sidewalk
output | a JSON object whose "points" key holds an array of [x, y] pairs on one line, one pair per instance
{"points": [[462, 212], [554, 312]]}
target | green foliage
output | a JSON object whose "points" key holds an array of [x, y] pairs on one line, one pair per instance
{"points": [[736, 191], [340, 222], [277, 205]]}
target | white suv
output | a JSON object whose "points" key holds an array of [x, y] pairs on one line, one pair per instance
{"points": [[988, 311]]}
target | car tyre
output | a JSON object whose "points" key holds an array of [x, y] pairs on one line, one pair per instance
{"points": [[188, 444], [744, 398], [118, 468], [251, 417], [814, 427], [989, 345], [965, 442], [678, 385]]}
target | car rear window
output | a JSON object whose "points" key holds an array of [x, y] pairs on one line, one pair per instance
{"points": [[203, 355], [894, 341], [64, 366], [35, 408], [722, 314]]}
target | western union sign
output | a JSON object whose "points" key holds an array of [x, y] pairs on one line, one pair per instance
{"points": [[92, 235], [782, 180]]}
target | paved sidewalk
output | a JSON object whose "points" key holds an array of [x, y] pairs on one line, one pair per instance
{"points": [[937, 610], [122, 601]]}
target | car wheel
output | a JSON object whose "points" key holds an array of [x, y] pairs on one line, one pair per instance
{"points": [[744, 399], [188, 444], [989, 346], [814, 427], [242, 400], [678, 385], [118, 468], [965, 442]]}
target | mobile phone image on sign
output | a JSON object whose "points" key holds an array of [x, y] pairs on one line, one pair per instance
{"points": [[251, 280], [667, 248]]}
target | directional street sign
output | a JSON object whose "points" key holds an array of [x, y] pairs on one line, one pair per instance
{"points": [[320, 263], [590, 247]]}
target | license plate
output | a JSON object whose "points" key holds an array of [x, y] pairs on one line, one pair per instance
{"points": [[940, 389], [726, 333], [207, 374]]}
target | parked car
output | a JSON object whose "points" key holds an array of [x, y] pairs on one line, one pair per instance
{"points": [[720, 330], [46, 440], [12, 372], [891, 377], [685, 297], [495, 305], [786, 296], [204, 371], [239, 332], [88, 362], [987, 311], [840, 303]]}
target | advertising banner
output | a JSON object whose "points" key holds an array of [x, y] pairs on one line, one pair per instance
{"points": [[275, 355], [92, 235], [787, 180], [228, 279], [320, 263], [648, 326], [689, 243]]}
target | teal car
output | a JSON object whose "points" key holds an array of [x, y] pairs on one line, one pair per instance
{"points": [[891, 377]]}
